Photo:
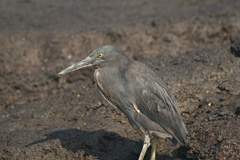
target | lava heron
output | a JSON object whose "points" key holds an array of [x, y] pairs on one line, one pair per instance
{"points": [[139, 93]]}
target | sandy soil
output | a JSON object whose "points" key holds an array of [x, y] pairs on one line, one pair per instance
{"points": [[192, 45]]}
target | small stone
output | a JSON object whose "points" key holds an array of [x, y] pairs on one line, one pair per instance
{"points": [[69, 56], [220, 138], [153, 24], [237, 111], [235, 46]]}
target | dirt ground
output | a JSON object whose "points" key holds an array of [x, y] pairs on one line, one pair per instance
{"points": [[193, 45]]}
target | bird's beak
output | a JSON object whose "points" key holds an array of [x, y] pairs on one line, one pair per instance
{"points": [[87, 62]]}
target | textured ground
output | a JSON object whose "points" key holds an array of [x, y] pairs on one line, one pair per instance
{"points": [[192, 45]]}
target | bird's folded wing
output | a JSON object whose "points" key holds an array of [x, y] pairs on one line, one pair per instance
{"points": [[158, 105]]}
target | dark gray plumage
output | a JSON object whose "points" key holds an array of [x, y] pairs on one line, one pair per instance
{"points": [[138, 92]]}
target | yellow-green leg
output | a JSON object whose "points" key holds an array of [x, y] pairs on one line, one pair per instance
{"points": [[153, 151], [145, 147]]}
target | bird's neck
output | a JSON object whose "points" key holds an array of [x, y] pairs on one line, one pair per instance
{"points": [[121, 63]]}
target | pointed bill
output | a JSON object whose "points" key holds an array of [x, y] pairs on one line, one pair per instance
{"points": [[87, 62]]}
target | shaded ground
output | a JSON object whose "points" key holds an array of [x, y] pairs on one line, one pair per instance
{"points": [[186, 43]]}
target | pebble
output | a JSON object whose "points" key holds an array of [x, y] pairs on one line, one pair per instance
{"points": [[235, 46]]}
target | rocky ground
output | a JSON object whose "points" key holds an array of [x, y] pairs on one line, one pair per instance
{"points": [[192, 45]]}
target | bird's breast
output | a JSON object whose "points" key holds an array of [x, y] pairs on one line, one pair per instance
{"points": [[97, 77]]}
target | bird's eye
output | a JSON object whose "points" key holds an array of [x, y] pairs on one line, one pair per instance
{"points": [[100, 55]]}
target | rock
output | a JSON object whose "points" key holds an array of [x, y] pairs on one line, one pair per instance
{"points": [[235, 46], [237, 111]]}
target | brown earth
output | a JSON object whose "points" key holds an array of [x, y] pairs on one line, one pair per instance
{"points": [[187, 43]]}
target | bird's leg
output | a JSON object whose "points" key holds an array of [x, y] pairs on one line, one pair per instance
{"points": [[145, 147], [153, 151]]}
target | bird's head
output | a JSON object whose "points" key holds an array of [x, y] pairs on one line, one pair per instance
{"points": [[98, 57]]}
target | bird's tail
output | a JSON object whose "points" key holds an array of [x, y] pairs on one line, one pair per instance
{"points": [[181, 134]]}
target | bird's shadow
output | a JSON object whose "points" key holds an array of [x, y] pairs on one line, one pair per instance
{"points": [[101, 144]]}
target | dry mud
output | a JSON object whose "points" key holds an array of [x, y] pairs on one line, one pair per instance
{"points": [[188, 43]]}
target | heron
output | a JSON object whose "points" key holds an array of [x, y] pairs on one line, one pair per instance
{"points": [[137, 91]]}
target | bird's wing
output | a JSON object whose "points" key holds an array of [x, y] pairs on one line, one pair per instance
{"points": [[153, 100]]}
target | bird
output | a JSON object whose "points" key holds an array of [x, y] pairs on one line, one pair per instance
{"points": [[137, 91]]}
